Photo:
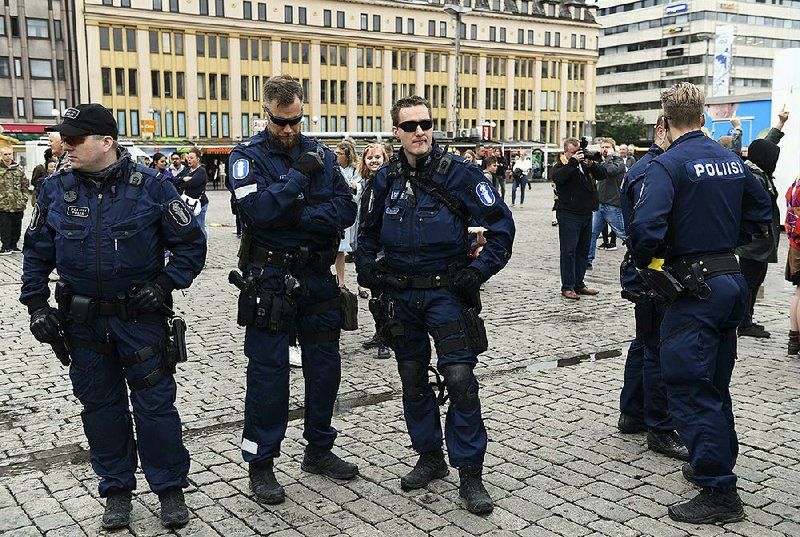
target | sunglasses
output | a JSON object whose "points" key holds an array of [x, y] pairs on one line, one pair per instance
{"points": [[412, 126], [73, 140], [282, 122]]}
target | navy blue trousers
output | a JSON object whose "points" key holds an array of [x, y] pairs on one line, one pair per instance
{"points": [[698, 351], [574, 233], [266, 407], [420, 311], [643, 393], [98, 381]]}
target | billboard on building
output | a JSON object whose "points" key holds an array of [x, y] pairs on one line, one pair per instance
{"points": [[722, 61]]}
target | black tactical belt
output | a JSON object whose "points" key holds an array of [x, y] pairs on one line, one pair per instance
{"points": [[704, 267], [268, 257], [401, 281]]}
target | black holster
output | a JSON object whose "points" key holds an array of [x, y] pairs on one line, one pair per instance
{"points": [[392, 333], [275, 313], [178, 340], [474, 330], [644, 312]]}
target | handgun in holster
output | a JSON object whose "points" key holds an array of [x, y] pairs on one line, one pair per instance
{"points": [[662, 283], [178, 336], [246, 311]]}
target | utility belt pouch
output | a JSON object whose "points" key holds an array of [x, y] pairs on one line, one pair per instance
{"points": [[63, 296], [275, 313], [248, 297], [82, 309], [644, 312], [392, 333], [474, 330], [262, 307], [663, 284], [299, 262], [178, 338], [349, 304]]}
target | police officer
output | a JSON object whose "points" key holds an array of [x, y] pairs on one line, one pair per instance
{"points": [[643, 400], [699, 201], [424, 201], [294, 204], [103, 224]]}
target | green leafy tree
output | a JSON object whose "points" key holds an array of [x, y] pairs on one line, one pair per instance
{"points": [[614, 122]]}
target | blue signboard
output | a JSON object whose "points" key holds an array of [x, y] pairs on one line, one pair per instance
{"points": [[754, 115], [674, 9]]}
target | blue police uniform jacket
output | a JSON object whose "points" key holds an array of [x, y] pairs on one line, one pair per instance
{"points": [[629, 194], [697, 198], [420, 236], [283, 208], [102, 239]]}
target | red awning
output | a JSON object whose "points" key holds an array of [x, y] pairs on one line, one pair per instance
{"points": [[22, 128], [218, 150]]}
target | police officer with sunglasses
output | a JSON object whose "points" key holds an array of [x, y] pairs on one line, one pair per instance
{"points": [[424, 201], [294, 204]]}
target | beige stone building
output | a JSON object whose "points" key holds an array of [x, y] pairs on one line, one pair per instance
{"points": [[196, 67]]}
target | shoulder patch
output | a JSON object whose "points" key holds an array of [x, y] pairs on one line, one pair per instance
{"points": [[240, 169], [179, 213], [485, 194], [36, 218]]}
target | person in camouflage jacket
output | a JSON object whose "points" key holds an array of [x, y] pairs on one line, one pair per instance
{"points": [[13, 198]]}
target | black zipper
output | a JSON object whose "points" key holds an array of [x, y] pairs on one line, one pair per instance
{"points": [[97, 244]]}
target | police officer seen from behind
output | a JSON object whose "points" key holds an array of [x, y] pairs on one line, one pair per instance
{"points": [[697, 203], [424, 200], [643, 400], [294, 204], [103, 224]]}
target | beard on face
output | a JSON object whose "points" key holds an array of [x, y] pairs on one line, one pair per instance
{"points": [[285, 141]]}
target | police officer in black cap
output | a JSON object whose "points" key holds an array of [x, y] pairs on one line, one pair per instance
{"points": [[103, 224]]}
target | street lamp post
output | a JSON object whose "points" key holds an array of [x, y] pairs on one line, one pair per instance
{"points": [[457, 11], [708, 37]]}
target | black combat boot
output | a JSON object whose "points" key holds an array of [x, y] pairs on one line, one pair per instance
{"points": [[794, 343], [709, 507], [669, 444], [472, 490], [319, 460], [688, 474], [384, 353], [429, 466], [374, 341], [630, 425], [118, 509], [263, 483], [174, 513]]}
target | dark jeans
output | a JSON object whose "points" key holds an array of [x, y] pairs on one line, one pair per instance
{"points": [[500, 185], [574, 234], [10, 228], [754, 273], [521, 183]]}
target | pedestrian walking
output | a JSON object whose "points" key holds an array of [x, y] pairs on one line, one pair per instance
{"points": [[13, 199]]}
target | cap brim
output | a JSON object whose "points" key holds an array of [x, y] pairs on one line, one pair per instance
{"points": [[68, 130]]}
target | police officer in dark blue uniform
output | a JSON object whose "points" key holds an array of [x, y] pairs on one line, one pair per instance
{"points": [[643, 400], [699, 201], [424, 201], [294, 203], [103, 224]]}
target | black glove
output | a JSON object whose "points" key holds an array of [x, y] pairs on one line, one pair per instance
{"points": [[44, 324], [310, 164], [371, 278], [467, 280], [146, 298]]}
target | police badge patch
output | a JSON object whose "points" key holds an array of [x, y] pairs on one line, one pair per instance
{"points": [[36, 218], [179, 214], [240, 169], [485, 194]]}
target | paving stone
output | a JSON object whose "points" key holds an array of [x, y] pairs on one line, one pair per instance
{"points": [[12, 518]]}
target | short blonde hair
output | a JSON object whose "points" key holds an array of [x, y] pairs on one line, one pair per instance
{"points": [[683, 104], [609, 141]]}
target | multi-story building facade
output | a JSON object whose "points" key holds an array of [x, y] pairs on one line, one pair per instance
{"points": [[37, 60], [647, 45], [197, 68]]}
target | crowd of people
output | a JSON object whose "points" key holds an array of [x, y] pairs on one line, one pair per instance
{"points": [[426, 228]]}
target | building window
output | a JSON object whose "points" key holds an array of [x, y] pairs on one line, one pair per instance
{"points": [[201, 85], [57, 30], [245, 87], [133, 82], [121, 128], [41, 69], [201, 45], [21, 107], [583, 41], [442, 29], [169, 123], [2, 26], [326, 18], [181, 124], [492, 33], [18, 67], [398, 25], [155, 83], [364, 21], [340, 19], [134, 123], [204, 7], [376, 23], [6, 107], [265, 50], [104, 42], [212, 46], [431, 28], [247, 8], [130, 39], [410, 27], [224, 87], [167, 84], [302, 17], [153, 38], [547, 39], [119, 81], [530, 37], [558, 39], [117, 38], [223, 47], [220, 8], [105, 77], [473, 31], [214, 125], [5, 70], [256, 88], [521, 36], [262, 11], [166, 43], [288, 13], [226, 125], [343, 93], [43, 108], [178, 44], [125, 3], [503, 35], [157, 5], [180, 84], [212, 86], [38, 29], [201, 124], [174, 6], [245, 125]]}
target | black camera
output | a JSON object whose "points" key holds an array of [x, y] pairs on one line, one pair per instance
{"points": [[589, 155]]}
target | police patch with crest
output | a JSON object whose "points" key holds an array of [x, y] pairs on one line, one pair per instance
{"points": [[240, 169], [485, 194], [37, 218], [179, 213]]}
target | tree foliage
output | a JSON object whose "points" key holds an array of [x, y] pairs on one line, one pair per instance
{"points": [[614, 122]]}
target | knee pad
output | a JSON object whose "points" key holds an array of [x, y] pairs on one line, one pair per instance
{"points": [[414, 379], [462, 386]]}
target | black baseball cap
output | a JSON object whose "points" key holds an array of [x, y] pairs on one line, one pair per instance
{"points": [[86, 119]]}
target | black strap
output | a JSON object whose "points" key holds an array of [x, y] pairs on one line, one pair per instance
{"points": [[446, 347], [402, 281], [320, 307], [268, 257], [100, 347], [324, 336], [705, 267], [149, 380], [438, 384], [145, 354]]}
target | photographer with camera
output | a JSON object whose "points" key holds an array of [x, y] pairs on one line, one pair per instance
{"points": [[609, 210], [575, 177]]}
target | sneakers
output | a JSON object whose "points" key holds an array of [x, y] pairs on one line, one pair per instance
{"points": [[295, 357], [612, 246], [472, 490], [263, 483], [371, 343], [630, 425], [429, 466], [118, 509], [709, 507], [603, 246], [322, 461], [174, 513], [384, 353], [669, 444], [752, 331], [688, 474]]}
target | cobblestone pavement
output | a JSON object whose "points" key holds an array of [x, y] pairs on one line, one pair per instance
{"points": [[555, 466]]}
